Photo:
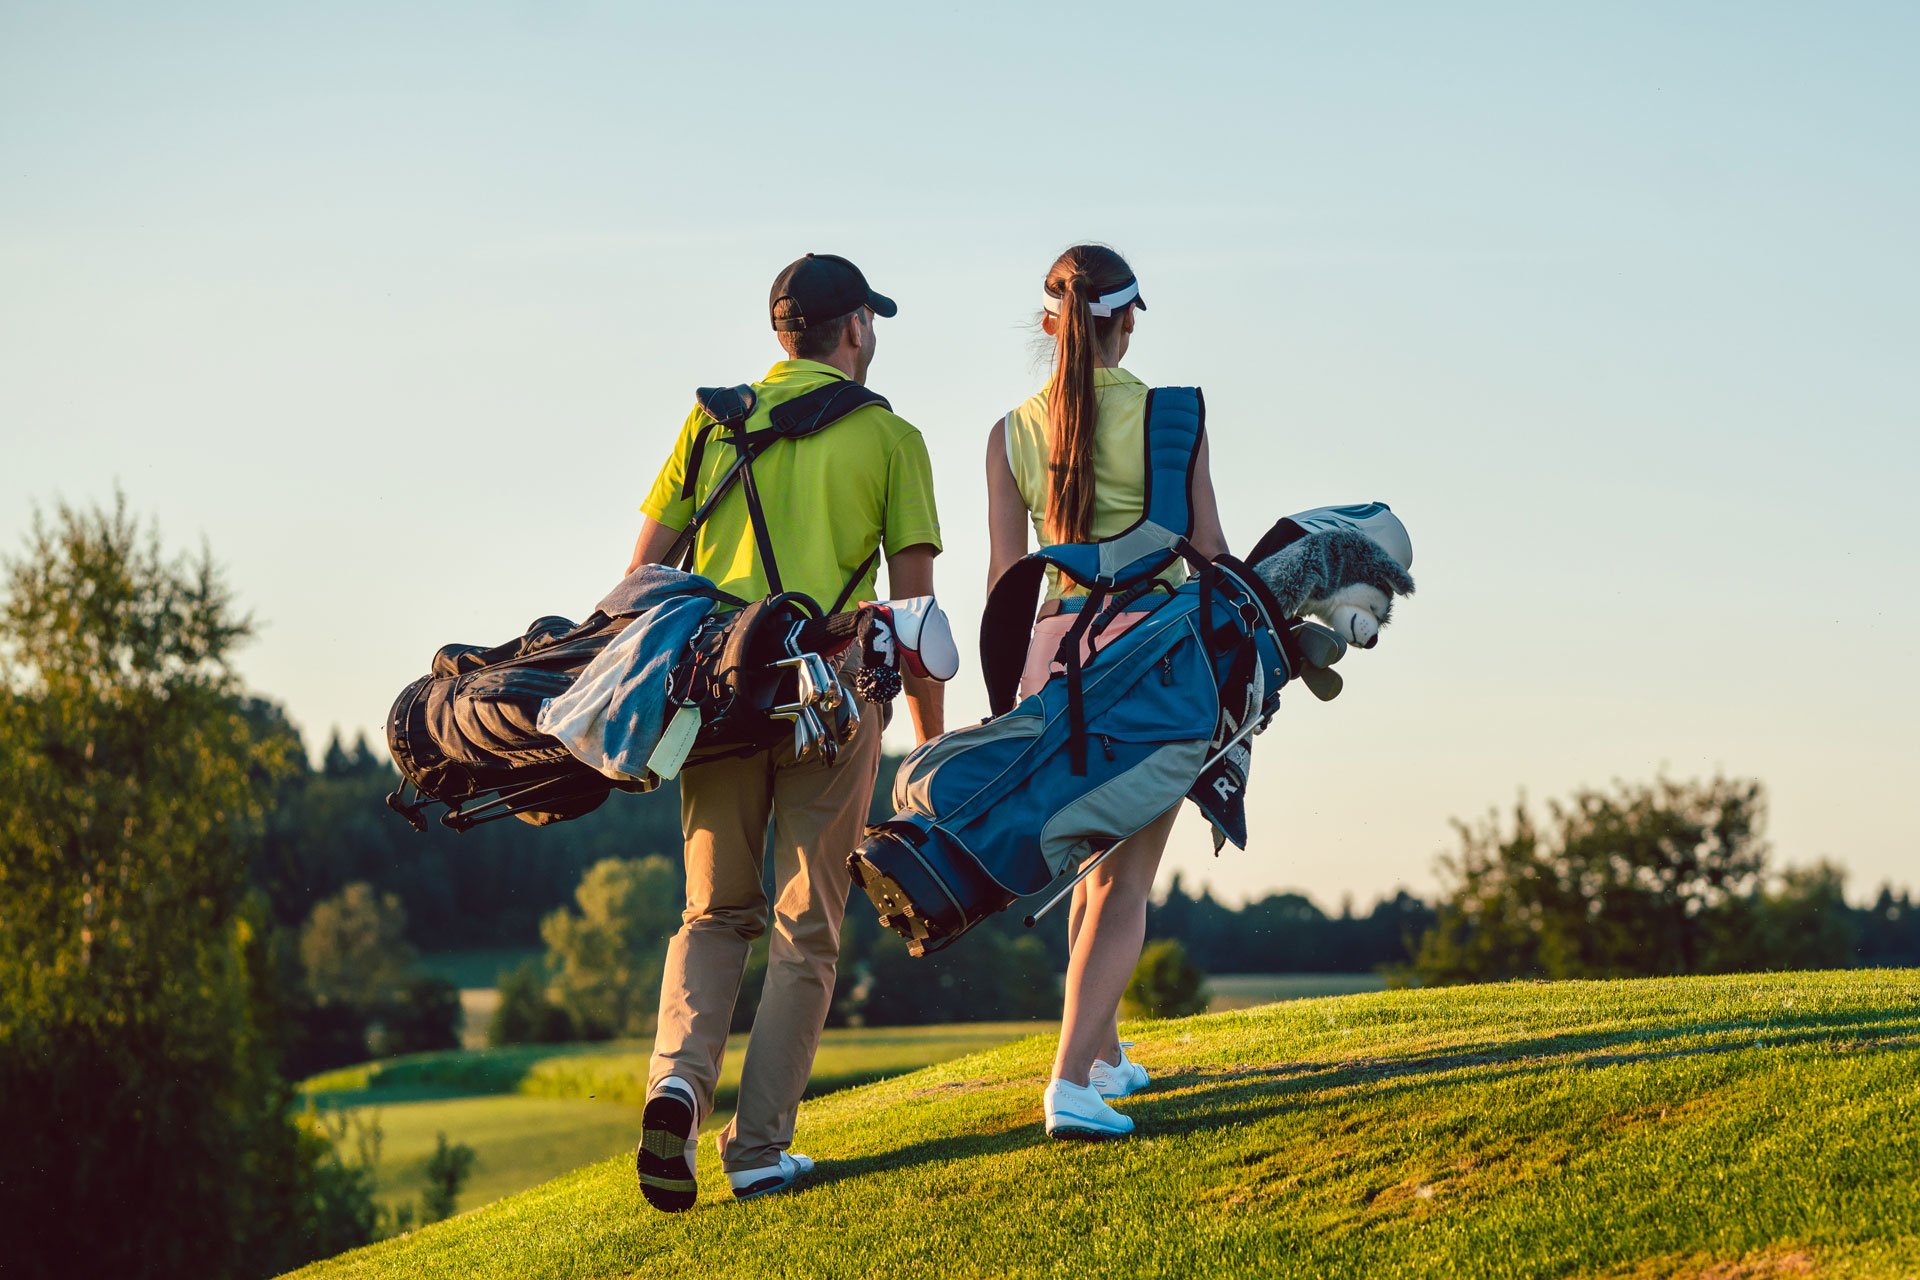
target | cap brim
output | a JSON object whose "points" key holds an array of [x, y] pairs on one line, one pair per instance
{"points": [[882, 305]]}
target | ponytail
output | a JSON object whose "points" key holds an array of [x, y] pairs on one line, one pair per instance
{"points": [[1079, 276]]}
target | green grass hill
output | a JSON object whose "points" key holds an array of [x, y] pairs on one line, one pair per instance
{"points": [[1704, 1127]]}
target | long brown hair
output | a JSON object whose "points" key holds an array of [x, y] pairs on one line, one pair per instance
{"points": [[1079, 276]]}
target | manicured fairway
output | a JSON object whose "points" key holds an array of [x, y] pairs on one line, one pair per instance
{"points": [[1744, 1126], [518, 1142], [533, 1113]]}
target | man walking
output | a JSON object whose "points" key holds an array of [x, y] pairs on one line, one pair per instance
{"points": [[831, 500]]}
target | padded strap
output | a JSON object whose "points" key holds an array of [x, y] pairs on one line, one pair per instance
{"points": [[821, 408], [1176, 426], [1069, 651], [696, 456], [757, 517]]}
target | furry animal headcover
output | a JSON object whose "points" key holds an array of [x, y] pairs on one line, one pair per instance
{"points": [[1339, 575]]}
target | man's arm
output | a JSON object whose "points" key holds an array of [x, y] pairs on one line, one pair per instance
{"points": [[652, 545], [909, 574]]}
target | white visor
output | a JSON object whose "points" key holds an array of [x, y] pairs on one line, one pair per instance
{"points": [[1103, 306]]}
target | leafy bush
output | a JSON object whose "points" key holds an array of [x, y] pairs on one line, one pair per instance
{"points": [[608, 957], [1165, 983], [355, 948], [423, 1016], [988, 977], [525, 1015], [447, 1170], [1646, 880]]}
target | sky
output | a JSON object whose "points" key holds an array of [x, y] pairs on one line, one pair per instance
{"points": [[398, 308]]}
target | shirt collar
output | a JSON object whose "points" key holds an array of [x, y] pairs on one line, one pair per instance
{"points": [[799, 368]]}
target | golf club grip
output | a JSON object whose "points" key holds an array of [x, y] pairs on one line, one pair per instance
{"points": [[829, 635]]}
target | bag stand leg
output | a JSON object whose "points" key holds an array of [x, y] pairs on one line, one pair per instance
{"points": [[1085, 871]]}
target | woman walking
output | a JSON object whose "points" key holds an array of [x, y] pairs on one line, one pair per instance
{"points": [[1072, 462]]}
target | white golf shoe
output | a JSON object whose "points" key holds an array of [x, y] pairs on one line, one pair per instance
{"points": [[767, 1179], [1120, 1079], [1078, 1111]]}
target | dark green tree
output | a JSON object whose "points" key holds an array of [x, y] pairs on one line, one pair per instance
{"points": [[1647, 879], [355, 948], [986, 977], [424, 1015], [1165, 983], [608, 957], [525, 1015], [148, 1131], [1889, 930]]}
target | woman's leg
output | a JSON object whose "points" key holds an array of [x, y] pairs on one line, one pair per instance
{"points": [[1106, 946], [1076, 917]]}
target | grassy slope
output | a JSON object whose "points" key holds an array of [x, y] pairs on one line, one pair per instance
{"points": [[1643, 1128], [1244, 990], [616, 1070], [534, 1112]]}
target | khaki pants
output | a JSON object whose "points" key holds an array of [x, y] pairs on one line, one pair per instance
{"points": [[818, 815]]}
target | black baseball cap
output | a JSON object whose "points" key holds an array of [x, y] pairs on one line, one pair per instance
{"points": [[823, 286]]}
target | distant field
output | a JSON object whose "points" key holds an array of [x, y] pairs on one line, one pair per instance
{"points": [[1244, 990], [534, 1112], [518, 1142]]}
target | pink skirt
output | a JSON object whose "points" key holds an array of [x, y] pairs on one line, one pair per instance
{"points": [[1047, 635]]}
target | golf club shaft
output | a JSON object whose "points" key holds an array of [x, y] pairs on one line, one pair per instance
{"points": [[1054, 901]]}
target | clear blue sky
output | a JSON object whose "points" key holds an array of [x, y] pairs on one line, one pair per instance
{"points": [[398, 307]]}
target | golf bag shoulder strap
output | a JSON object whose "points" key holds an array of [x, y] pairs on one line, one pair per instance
{"points": [[728, 409], [1176, 426]]}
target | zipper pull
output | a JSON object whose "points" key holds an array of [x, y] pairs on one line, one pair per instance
{"points": [[1166, 667], [1106, 745]]}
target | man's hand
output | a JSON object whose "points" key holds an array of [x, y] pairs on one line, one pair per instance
{"points": [[652, 545], [909, 574]]}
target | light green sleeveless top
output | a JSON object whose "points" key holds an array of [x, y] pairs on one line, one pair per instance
{"points": [[1119, 464]]}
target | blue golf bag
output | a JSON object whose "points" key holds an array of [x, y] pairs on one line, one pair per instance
{"points": [[1164, 709]]}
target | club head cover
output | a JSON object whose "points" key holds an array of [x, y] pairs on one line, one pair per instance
{"points": [[1374, 519], [919, 634], [1354, 612]]}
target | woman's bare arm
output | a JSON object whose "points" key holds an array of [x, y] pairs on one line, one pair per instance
{"points": [[1006, 509], [1209, 539]]}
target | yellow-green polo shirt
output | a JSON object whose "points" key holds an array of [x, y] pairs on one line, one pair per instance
{"points": [[829, 498], [1119, 464]]}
